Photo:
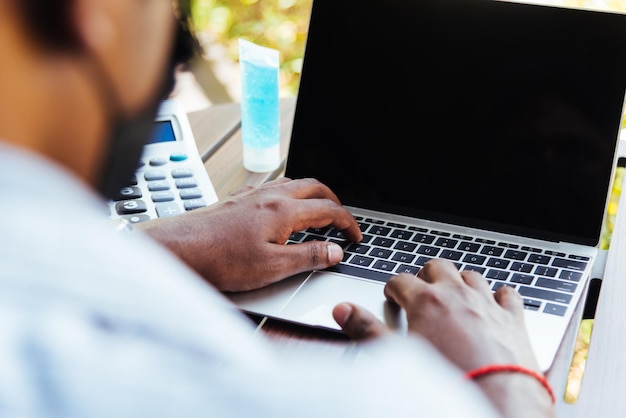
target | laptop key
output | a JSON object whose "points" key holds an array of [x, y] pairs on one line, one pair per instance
{"points": [[423, 238], [522, 278], [491, 250], [532, 304], [545, 271], [403, 257], [515, 254], [446, 242], [522, 267], [383, 242], [474, 259], [556, 285], [358, 248], [498, 285], [422, 260], [498, 262], [545, 294], [451, 255], [405, 246], [360, 260], [385, 265], [379, 230], [470, 247], [573, 276], [569, 264], [497, 274], [478, 269], [401, 234], [539, 259], [555, 309], [405, 268], [427, 250], [381, 252], [351, 270]]}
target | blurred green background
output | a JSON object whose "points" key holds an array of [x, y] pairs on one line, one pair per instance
{"points": [[277, 24]]}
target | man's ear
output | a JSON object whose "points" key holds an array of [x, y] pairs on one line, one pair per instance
{"points": [[94, 24]]}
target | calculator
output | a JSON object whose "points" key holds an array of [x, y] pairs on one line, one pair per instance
{"points": [[171, 178]]}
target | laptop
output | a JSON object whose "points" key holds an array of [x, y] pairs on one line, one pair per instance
{"points": [[480, 131]]}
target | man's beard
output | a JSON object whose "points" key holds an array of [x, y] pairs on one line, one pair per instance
{"points": [[129, 133]]}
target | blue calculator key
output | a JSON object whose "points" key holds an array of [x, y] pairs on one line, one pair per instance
{"points": [[178, 157]]}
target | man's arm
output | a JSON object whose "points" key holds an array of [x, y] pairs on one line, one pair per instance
{"points": [[238, 243]]}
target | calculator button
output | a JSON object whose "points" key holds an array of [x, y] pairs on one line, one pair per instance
{"points": [[193, 193], [162, 196], [165, 210], [178, 157], [194, 204], [158, 185], [126, 193], [130, 206], [154, 175], [186, 183], [158, 161], [180, 173], [135, 219]]}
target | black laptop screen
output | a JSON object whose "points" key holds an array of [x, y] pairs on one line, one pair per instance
{"points": [[485, 113]]}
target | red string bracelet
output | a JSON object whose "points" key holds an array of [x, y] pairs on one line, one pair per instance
{"points": [[496, 368]]}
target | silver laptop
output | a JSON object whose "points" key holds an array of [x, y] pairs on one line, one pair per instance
{"points": [[479, 131]]}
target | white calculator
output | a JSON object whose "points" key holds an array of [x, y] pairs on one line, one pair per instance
{"points": [[171, 178]]}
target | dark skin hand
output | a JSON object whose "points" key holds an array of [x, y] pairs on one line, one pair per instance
{"points": [[471, 326], [238, 243]]}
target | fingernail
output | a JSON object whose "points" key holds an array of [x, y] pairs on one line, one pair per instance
{"points": [[335, 253], [343, 314]]}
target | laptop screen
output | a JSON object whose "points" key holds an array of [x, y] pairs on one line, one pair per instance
{"points": [[488, 114]]}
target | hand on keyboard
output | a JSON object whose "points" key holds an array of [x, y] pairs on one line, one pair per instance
{"points": [[473, 327]]}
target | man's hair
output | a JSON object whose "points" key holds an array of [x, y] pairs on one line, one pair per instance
{"points": [[49, 22]]}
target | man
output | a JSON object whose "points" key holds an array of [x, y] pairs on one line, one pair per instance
{"points": [[95, 323]]}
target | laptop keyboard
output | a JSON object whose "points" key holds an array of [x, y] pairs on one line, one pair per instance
{"points": [[546, 279]]}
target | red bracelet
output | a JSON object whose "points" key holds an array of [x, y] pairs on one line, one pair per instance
{"points": [[496, 368]]}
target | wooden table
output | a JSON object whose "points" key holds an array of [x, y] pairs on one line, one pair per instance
{"points": [[218, 136]]}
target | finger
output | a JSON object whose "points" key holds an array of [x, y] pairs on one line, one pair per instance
{"points": [[401, 289], [440, 270], [310, 255], [317, 213], [476, 280], [307, 188], [510, 299], [358, 323]]}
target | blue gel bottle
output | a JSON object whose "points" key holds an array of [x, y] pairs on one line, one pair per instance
{"points": [[260, 110]]}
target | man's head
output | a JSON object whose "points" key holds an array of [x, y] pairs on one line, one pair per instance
{"points": [[108, 62]]}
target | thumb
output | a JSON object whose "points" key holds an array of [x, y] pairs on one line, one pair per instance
{"points": [[358, 323], [312, 255]]}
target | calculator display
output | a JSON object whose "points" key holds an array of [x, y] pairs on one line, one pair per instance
{"points": [[163, 132]]}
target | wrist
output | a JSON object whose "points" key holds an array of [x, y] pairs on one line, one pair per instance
{"points": [[514, 390]]}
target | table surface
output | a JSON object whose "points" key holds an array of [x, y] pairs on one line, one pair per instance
{"points": [[218, 137]]}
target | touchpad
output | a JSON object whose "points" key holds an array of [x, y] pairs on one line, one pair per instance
{"points": [[313, 303]]}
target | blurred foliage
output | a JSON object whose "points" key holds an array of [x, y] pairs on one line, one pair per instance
{"points": [[277, 24]]}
